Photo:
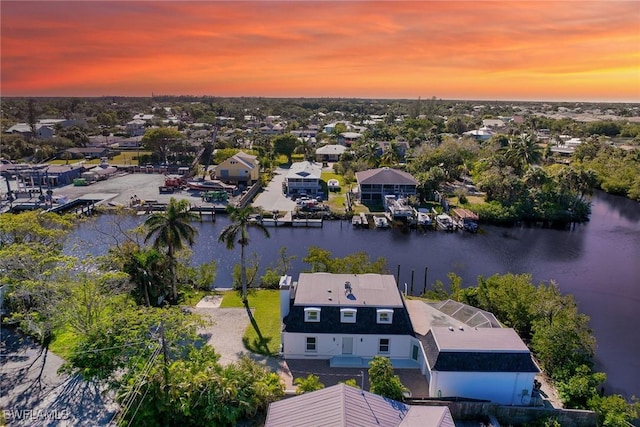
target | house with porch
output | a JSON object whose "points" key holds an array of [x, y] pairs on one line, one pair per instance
{"points": [[374, 184], [241, 168], [346, 319], [303, 178]]}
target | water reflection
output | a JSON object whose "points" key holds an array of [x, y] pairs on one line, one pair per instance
{"points": [[597, 262]]}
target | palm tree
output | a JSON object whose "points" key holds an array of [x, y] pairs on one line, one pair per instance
{"points": [[237, 232], [522, 152], [171, 229]]}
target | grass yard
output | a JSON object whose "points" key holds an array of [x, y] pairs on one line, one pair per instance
{"points": [[266, 313], [64, 342]]}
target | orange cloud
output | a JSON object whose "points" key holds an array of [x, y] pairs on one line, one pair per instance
{"points": [[472, 50]]}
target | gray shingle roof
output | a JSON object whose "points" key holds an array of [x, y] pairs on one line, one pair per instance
{"points": [[477, 350], [385, 176], [342, 405]]}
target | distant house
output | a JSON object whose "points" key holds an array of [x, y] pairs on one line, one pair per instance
{"points": [[330, 153], [482, 134], [374, 184], [136, 127], [343, 405], [241, 168], [493, 123], [303, 178], [348, 138], [346, 317], [479, 363], [24, 129]]}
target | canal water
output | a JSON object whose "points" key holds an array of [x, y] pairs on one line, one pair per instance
{"points": [[598, 262]]}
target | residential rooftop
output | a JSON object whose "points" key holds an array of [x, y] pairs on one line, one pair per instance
{"points": [[495, 340], [353, 290]]}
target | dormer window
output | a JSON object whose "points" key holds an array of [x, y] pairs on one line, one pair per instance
{"points": [[312, 314], [348, 315], [384, 315]]}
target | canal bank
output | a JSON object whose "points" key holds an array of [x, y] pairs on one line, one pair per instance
{"points": [[595, 261]]}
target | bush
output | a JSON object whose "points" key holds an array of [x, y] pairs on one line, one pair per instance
{"points": [[270, 279]]}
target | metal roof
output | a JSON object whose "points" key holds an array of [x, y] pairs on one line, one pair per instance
{"points": [[343, 405]]}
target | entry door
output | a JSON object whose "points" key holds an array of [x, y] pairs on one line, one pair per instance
{"points": [[347, 345]]}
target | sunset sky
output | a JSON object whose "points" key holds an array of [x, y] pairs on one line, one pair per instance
{"points": [[512, 50]]}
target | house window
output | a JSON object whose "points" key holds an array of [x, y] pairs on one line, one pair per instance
{"points": [[383, 347], [414, 352], [348, 315], [385, 315], [311, 345], [311, 314]]}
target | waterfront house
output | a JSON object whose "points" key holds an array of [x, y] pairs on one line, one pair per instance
{"points": [[241, 168], [347, 319], [343, 405], [303, 178], [330, 153], [374, 184], [479, 363]]}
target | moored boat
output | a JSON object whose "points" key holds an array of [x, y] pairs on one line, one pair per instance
{"points": [[210, 185], [445, 222], [380, 222]]}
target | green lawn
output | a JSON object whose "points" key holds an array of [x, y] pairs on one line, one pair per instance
{"points": [[64, 342], [266, 313]]}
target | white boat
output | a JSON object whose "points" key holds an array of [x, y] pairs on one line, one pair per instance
{"points": [[380, 222], [424, 219], [445, 222]]}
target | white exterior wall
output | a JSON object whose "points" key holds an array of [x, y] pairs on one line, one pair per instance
{"points": [[330, 345], [505, 388]]}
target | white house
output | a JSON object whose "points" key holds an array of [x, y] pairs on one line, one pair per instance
{"points": [[479, 363], [303, 178], [346, 318], [343, 405]]}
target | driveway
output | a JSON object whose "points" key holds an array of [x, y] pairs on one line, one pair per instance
{"points": [[34, 394], [225, 333], [272, 198]]}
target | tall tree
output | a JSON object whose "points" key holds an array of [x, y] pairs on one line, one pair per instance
{"points": [[238, 232], [285, 144], [162, 141], [170, 230]]}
